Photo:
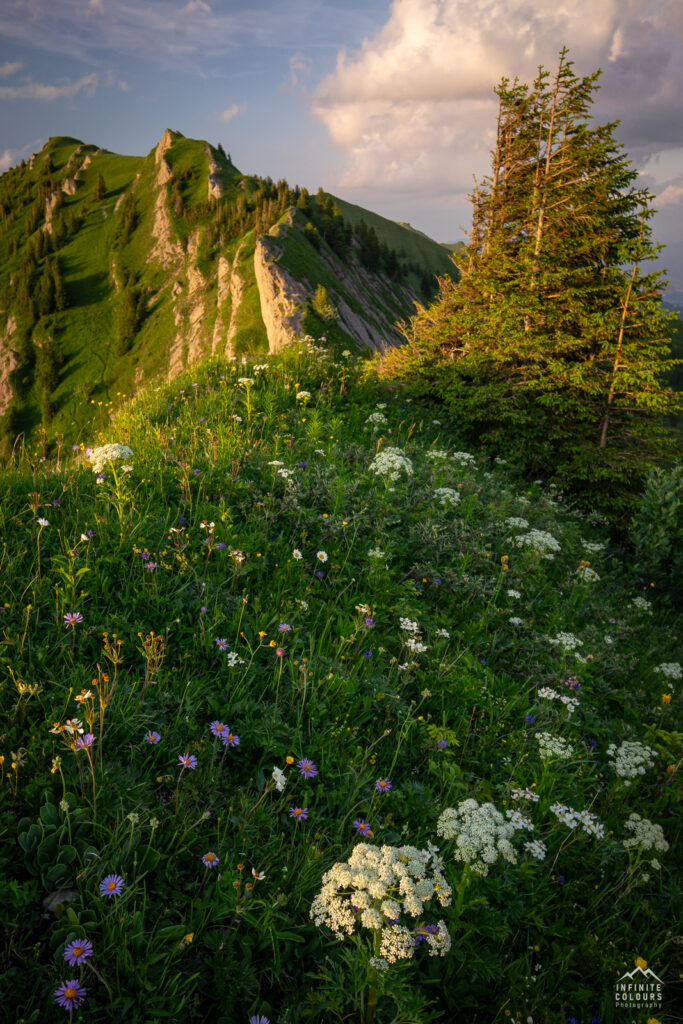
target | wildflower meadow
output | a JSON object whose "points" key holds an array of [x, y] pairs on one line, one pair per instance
{"points": [[310, 715]]}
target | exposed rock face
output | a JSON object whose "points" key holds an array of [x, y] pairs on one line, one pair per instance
{"points": [[166, 250], [86, 163], [164, 143], [189, 317], [51, 204], [230, 283], [215, 187], [69, 186], [8, 362], [164, 173], [283, 300]]}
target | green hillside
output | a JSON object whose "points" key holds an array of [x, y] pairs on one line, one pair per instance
{"points": [[116, 270], [258, 644]]}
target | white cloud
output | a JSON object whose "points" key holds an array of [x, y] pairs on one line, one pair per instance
{"points": [[414, 109], [672, 194], [112, 79], [195, 7], [10, 67], [37, 91], [230, 112]]}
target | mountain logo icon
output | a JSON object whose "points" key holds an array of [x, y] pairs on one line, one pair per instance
{"points": [[640, 973]]}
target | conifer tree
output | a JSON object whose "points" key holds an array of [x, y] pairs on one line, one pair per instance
{"points": [[554, 340]]}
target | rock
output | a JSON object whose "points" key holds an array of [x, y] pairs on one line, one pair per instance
{"points": [[8, 362], [165, 142], [69, 186], [215, 186], [283, 300], [51, 204], [164, 173]]}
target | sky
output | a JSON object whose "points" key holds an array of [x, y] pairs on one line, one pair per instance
{"points": [[385, 103]]}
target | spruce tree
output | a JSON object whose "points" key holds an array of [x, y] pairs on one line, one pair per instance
{"points": [[554, 340]]}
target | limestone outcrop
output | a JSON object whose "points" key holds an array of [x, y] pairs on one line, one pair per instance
{"points": [[283, 300], [8, 362]]}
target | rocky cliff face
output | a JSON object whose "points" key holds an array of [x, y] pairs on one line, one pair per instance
{"points": [[283, 300], [8, 363]]}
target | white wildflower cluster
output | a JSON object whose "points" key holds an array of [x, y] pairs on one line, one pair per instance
{"points": [[279, 778], [246, 382], [447, 496], [540, 541], [443, 632], [481, 834], [515, 620], [587, 575], [516, 522], [593, 547], [437, 454], [303, 396], [378, 887], [525, 794], [631, 758], [537, 849], [415, 645], [567, 641], [391, 462], [646, 835], [550, 746], [376, 554], [670, 670], [464, 458], [571, 703], [409, 625], [259, 367], [518, 821], [376, 419], [232, 659], [642, 604], [572, 819], [108, 453], [513, 593], [379, 963]]}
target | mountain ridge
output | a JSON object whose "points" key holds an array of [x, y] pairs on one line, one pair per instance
{"points": [[116, 269]]}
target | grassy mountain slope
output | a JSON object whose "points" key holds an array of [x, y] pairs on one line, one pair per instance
{"points": [[115, 270], [306, 573]]}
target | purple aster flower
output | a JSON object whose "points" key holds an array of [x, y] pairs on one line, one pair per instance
{"points": [[367, 654], [56, 502], [152, 737], [112, 885], [302, 465], [210, 860], [230, 740], [284, 627], [187, 761], [442, 744], [307, 768], [363, 828], [221, 643], [300, 813], [151, 566], [85, 741], [370, 622], [530, 719], [259, 1020], [72, 618], [75, 447], [320, 574], [203, 608], [70, 994], [78, 951], [196, 472], [220, 546], [219, 729], [383, 785], [90, 533]]}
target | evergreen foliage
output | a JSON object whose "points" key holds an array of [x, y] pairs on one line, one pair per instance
{"points": [[554, 341]]}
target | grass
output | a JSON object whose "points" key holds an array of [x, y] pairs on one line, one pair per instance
{"points": [[170, 596]]}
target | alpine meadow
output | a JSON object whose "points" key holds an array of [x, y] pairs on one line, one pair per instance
{"points": [[339, 592]]}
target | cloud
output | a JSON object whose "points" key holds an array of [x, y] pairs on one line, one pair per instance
{"points": [[9, 68], [299, 68], [37, 91], [195, 7], [112, 79], [11, 157], [414, 109], [230, 112], [672, 194]]}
